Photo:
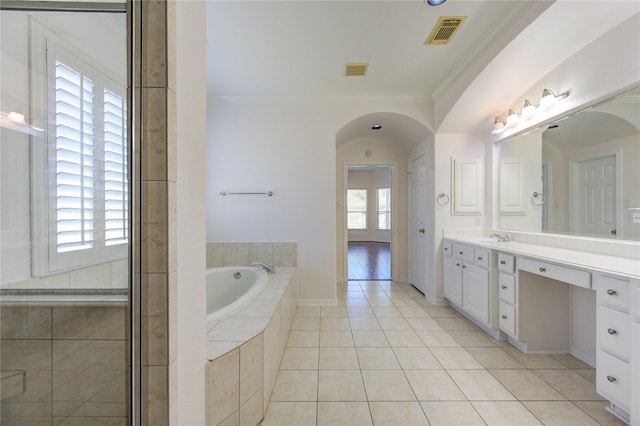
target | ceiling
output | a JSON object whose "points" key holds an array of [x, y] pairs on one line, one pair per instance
{"points": [[275, 51], [298, 49]]}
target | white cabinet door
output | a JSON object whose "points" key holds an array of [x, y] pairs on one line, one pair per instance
{"points": [[475, 291], [452, 277], [468, 186]]}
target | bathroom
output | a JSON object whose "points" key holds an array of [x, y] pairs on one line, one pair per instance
{"points": [[175, 226]]}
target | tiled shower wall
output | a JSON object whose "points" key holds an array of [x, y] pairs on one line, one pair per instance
{"points": [[63, 365], [157, 175]]}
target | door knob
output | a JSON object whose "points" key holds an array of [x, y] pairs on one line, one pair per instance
{"points": [[421, 230]]}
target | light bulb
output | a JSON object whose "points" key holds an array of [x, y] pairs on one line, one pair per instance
{"points": [[498, 126], [548, 98], [512, 117], [529, 108]]}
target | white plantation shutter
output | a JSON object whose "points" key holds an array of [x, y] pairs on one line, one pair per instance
{"points": [[74, 160], [116, 196], [81, 217]]}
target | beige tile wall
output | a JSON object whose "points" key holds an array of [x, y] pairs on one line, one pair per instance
{"points": [[71, 362], [244, 253], [158, 150]]}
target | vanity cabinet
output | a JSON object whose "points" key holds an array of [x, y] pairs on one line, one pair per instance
{"points": [[467, 280], [507, 291], [614, 378], [635, 352]]}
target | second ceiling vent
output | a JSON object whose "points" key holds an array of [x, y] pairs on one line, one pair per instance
{"points": [[355, 69], [445, 29]]}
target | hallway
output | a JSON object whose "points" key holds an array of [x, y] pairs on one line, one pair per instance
{"points": [[369, 261], [385, 356]]}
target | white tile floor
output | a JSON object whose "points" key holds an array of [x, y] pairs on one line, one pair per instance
{"points": [[385, 356]]}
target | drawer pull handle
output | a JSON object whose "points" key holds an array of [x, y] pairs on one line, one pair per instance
{"points": [[461, 253], [464, 266], [502, 262], [446, 249], [611, 292], [504, 287], [457, 264], [611, 379], [504, 316], [479, 258], [541, 269], [611, 331]]}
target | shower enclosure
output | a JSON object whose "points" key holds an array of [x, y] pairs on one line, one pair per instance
{"points": [[67, 293]]}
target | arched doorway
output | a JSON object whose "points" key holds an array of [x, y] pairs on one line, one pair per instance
{"points": [[399, 140]]}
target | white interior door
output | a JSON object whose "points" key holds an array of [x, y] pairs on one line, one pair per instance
{"points": [[417, 222], [593, 183]]}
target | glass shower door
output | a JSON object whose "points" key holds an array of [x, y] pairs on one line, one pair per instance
{"points": [[65, 356]]}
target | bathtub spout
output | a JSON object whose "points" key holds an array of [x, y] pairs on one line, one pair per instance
{"points": [[269, 269]]}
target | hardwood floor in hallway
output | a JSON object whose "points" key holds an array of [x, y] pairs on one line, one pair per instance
{"points": [[369, 261]]}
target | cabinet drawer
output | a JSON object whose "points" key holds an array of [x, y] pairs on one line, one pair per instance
{"points": [[613, 292], [507, 288], [507, 318], [446, 248], [481, 258], [462, 252], [506, 262], [557, 272], [613, 379], [614, 332]]}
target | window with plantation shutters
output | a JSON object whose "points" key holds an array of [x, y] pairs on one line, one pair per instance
{"points": [[116, 196], [84, 154], [74, 159]]}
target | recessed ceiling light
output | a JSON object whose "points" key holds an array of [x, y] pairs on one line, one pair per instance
{"points": [[376, 127], [434, 2]]}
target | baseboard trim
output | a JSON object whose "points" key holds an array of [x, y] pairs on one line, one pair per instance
{"points": [[438, 302], [583, 356]]}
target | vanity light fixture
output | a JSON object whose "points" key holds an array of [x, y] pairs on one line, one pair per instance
{"points": [[549, 98], [512, 117], [498, 126], [529, 108]]}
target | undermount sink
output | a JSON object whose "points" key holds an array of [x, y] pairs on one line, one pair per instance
{"points": [[488, 240]]}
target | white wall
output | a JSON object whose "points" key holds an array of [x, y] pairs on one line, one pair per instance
{"points": [[190, 324], [371, 180], [288, 148], [449, 146]]}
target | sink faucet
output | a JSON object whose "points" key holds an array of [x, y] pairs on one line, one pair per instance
{"points": [[501, 238], [268, 268]]}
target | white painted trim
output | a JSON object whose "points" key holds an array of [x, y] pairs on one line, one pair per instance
{"points": [[583, 356], [438, 302]]}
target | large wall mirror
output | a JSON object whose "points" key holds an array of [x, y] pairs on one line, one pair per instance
{"points": [[578, 175]]}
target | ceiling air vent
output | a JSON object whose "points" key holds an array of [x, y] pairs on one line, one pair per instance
{"points": [[445, 29], [351, 70]]}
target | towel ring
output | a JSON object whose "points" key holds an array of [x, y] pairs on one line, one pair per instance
{"points": [[535, 196], [442, 199]]}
